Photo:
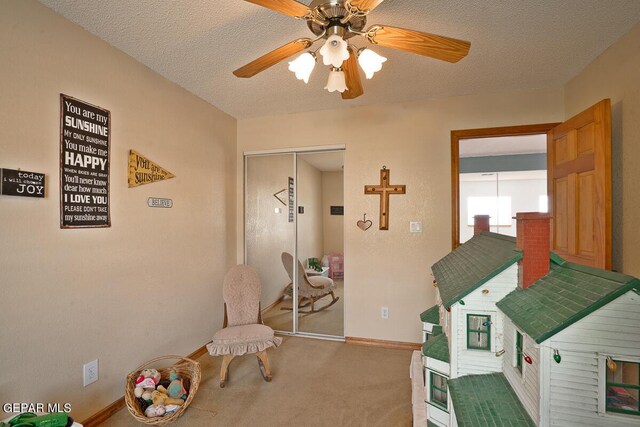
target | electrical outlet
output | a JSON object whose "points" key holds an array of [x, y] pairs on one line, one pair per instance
{"points": [[384, 312], [90, 373]]}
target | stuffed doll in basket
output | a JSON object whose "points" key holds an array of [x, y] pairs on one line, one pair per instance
{"points": [[146, 383]]}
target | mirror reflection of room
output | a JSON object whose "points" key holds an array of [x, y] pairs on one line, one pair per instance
{"points": [[320, 239], [271, 244], [269, 227], [499, 177]]}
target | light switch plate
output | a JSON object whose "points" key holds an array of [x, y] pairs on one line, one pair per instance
{"points": [[415, 227]]}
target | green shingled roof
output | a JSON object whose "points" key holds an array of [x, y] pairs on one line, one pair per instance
{"points": [[487, 400], [472, 264], [437, 347], [431, 315], [567, 294]]}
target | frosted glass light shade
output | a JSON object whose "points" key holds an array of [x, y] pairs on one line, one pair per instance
{"points": [[334, 52], [336, 81], [370, 62], [303, 65]]}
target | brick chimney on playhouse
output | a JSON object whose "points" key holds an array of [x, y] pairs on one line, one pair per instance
{"points": [[534, 239], [480, 224]]}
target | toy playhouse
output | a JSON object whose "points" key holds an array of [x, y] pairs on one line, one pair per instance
{"points": [[521, 337]]}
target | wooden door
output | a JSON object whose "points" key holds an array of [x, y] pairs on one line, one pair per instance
{"points": [[579, 186]]}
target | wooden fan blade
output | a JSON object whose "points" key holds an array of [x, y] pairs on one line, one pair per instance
{"points": [[354, 85], [431, 45], [366, 4], [288, 7], [272, 58]]}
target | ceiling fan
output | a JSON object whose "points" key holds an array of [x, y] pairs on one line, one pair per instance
{"points": [[337, 21]]}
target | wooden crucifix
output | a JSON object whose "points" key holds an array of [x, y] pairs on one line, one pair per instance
{"points": [[384, 190]]}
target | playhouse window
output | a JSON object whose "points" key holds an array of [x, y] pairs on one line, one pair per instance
{"points": [[439, 390], [478, 332], [519, 344], [623, 387]]}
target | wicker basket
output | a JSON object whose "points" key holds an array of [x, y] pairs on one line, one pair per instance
{"points": [[189, 371]]}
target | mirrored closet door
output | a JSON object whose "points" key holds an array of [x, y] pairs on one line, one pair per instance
{"points": [[294, 211], [270, 232], [320, 229]]}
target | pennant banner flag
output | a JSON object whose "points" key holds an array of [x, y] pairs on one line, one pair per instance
{"points": [[144, 171]]}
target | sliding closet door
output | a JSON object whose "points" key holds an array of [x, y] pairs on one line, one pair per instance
{"points": [[320, 227], [270, 231]]}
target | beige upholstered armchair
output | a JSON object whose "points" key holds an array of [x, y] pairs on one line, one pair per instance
{"points": [[243, 331], [310, 289]]}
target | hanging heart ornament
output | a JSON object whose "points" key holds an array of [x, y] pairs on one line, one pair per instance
{"points": [[364, 224]]}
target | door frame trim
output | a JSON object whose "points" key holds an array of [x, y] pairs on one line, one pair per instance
{"points": [[456, 136]]}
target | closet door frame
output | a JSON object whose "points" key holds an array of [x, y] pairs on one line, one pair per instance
{"points": [[294, 152]]}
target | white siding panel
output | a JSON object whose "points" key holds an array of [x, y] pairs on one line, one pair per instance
{"points": [[472, 362], [527, 384], [437, 415], [571, 417], [605, 330], [478, 361], [427, 327], [453, 344], [498, 288], [575, 382], [479, 302], [438, 366]]}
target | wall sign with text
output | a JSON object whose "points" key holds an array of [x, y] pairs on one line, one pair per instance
{"points": [[291, 199], [144, 171], [85, 139], [157, 202], [21, 183]]}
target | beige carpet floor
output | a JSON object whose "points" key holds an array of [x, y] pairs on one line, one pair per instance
{"points": [[315, 383], [329, 321]]}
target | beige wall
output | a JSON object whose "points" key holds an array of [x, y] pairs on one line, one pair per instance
{"points": [[332, 195], [151, 284], [616, 74], [392, 268]]}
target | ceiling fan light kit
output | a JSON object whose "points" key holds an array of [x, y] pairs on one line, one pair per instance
{"points": [[303, 66], [337, 81], [334, 51], [370, 62], [337, 21]]}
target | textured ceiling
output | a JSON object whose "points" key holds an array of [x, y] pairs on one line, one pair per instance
{"points": [[515, 44]]}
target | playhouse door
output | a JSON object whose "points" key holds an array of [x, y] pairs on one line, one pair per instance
{"points": [[579, 186]]}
